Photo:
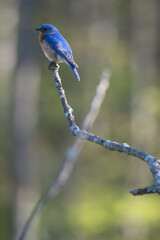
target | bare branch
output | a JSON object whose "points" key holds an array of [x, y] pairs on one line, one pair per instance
{"points": [[153, 163], [71, 154], [146, 190]]}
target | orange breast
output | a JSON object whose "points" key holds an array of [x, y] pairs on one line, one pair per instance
{"points": [[48, 51]]}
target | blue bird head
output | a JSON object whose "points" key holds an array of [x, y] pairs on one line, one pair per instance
{"points": [[47, 28]]}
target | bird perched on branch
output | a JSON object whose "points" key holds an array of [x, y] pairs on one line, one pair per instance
{"points": [[55, 47]]}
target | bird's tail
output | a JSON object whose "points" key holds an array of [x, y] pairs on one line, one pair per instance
{"points": [[75, 72]]}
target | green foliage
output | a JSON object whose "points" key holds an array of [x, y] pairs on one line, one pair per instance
{"points": [[95, 203]]}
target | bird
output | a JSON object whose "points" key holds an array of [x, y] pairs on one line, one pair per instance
{"points": [[55, 47]]}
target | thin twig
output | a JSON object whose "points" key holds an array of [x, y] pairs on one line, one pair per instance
{"points": [[71, 155], [154, 164]]}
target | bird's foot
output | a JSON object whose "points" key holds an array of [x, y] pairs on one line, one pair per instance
{"points": [[53, 66]]}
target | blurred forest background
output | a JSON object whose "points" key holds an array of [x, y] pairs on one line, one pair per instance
{"points": [[123, 35]]}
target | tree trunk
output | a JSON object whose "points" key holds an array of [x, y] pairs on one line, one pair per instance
{"points": [[25, 112]]}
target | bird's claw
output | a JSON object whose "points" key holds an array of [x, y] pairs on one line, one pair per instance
{"points": [[53, 65]]}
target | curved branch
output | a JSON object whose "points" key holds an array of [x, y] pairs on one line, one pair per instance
{"points": [[153, 163], [71, 155]]}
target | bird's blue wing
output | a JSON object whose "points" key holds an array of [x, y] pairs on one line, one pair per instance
{"points": [[62, 48], [60, 45]]}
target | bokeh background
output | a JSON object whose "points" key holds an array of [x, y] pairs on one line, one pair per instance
{"points": [[122, 35]]}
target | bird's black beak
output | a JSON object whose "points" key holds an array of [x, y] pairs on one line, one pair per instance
{"points": [[38, 29]]}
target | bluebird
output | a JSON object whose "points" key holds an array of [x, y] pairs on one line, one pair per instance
{"points": [[55, 47]]}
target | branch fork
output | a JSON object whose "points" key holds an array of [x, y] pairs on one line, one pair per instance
{"points": [[73, 152]]}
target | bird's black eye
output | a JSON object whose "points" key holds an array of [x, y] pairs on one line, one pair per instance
{"points": [[45, 29]]}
